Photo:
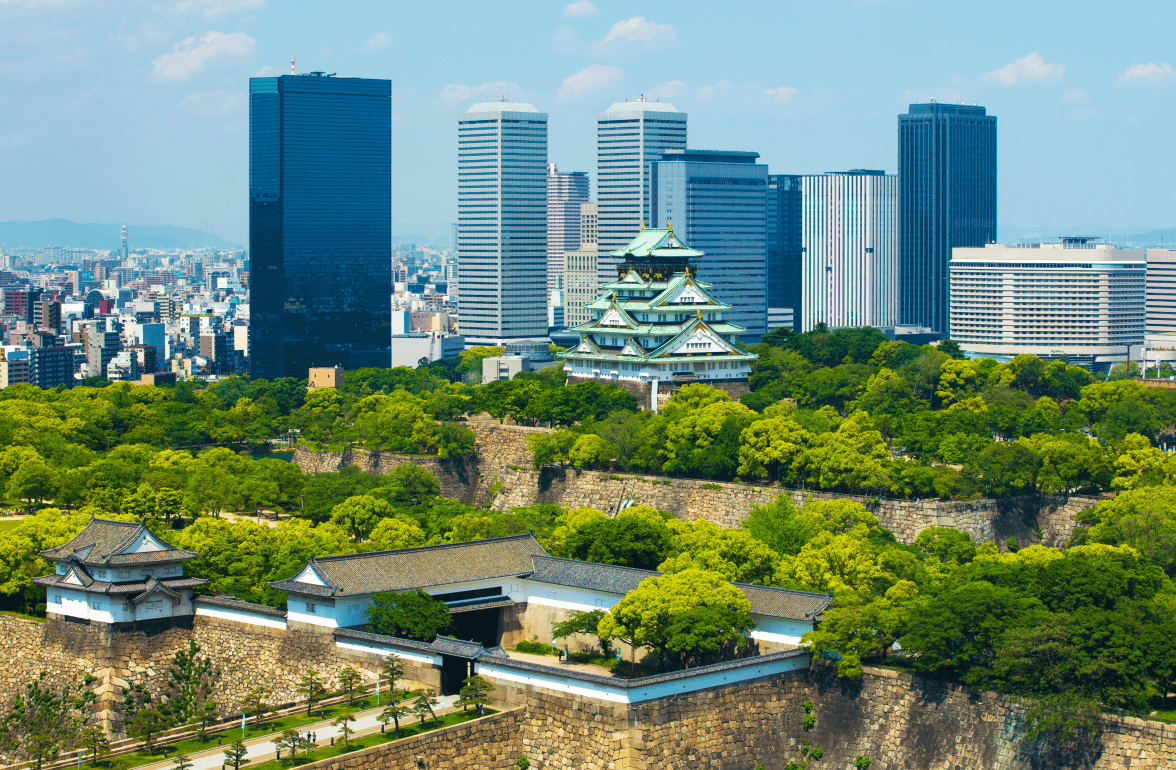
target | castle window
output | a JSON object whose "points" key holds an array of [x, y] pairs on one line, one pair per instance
{"points": [[95, 604], [124, 574], [311, 608]]}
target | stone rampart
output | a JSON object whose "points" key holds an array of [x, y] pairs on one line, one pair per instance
{"points": [[501, 475]]}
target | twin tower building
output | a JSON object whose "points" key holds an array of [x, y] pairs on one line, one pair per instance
{"points": [[847, 248]]}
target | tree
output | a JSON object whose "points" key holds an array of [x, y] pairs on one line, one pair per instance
{"points": [[624, 432], [629, 540], [395, 710], [412, 614], [807, 750], [646, 616], [183, 762], [734, 553], [343, 723], [581, 622], [475, 693], [290, 740], [359, 515], [349, 679], [395, 533], [392, 670], [146, 725], [190, 679], [254, 703], [33, 482], [310, 686], [236, 755], [423, 704], [94, 739]]}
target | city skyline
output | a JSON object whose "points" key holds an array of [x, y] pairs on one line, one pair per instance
{"points": [[131, 98]]}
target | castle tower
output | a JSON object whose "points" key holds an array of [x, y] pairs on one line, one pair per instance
{"points": [[657, 326]]}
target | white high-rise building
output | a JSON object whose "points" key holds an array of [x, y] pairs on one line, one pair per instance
{"points": [[1074, 298], [566, 191], [502, 222], [630, 136], [849, 240]]}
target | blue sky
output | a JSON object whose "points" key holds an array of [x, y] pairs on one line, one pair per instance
{"points": [[137, 111]]}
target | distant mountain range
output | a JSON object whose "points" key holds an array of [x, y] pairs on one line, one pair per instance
{"points": [[62, 232], [1140, 237]]}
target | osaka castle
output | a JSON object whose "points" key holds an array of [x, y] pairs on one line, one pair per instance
{"points": [[658, 324]]}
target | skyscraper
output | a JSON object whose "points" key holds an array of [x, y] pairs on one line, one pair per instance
{"points": [[630, 136], [849, 237], [716, 201], [566, 191], [784, 243], [502, 222], [947, 199], [320, 223]]}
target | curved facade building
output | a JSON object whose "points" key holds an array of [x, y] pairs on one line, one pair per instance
{"points": [[1073, 298]]}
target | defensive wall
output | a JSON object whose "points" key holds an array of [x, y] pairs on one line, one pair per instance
{"points": [[729, 716], [500, 474]]}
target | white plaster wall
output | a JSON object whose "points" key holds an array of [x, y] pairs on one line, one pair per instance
{"points": [[779, 630], [323, 615], [555, 682], [241, 616], [384, 651]]}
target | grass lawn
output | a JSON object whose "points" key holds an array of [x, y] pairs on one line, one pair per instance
{"points": [[8, 526], [22, 615], [197, 744], [406, 730]]}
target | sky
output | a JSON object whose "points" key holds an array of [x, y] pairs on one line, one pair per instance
{"points": [[137, 111]]}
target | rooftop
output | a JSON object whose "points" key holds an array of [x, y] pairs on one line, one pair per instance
{"points": [[641, 106], [116, 543], [502, 107], [408, 568]]}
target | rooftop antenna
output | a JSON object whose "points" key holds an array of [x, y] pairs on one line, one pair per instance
{"points": [[291, 65]]}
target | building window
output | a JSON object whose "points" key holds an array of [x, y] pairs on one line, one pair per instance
{"points": [[100, 574], [95, 604], [55, 598], [311, 608], [126, 606], [124, 574]]}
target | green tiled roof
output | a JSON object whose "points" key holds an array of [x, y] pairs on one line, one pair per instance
{"points": [[656, 242]]}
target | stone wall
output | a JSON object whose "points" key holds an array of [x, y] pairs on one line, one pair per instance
{"points": [[248, 656], [501, 475], [898, 721]]}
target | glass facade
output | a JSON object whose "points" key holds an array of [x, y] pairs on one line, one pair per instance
{"points": [[502, 223], [947, 199], [717, 202], [630, 138], [320, 219], [784, 243], [566, 191]]}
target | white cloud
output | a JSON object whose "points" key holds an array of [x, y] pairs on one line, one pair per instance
{"points": [[212, 103], [1074, 95], [44, 64], [192, 55], [708, 92], [667, 90], [215, 9], [1031, 68], [452, 94], [779, 96], [565, 40], [1145, 73], [376, 42], [942, 95], [636, 30], [593, 78], [580, 8], [267, 72]]}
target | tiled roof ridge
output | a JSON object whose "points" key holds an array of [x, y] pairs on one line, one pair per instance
{"points": [[420, 548], [650, 572], [118, 550]]}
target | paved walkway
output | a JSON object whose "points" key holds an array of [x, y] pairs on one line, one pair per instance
{"points": [[261, 749], [553, 661]]}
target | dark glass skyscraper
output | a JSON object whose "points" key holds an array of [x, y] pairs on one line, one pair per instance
{"points": [[784, 243], [320, 223], [947, 198]]}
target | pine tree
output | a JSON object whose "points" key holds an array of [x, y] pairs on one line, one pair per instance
{"points": [[235, 755]]}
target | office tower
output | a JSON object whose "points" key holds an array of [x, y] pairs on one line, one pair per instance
{"points": [[320, 218], [20, 302], [1074, 298], [717, 202], [630, 137], [849, 237], [946, 199], [566, 191], [13, 371], [502, 222], [579, 269], [51, 364], [1161, 291], [101, 348], [784, 250], [47, 315]]}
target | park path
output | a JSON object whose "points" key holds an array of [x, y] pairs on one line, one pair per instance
{"points": [[262, 748]]}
